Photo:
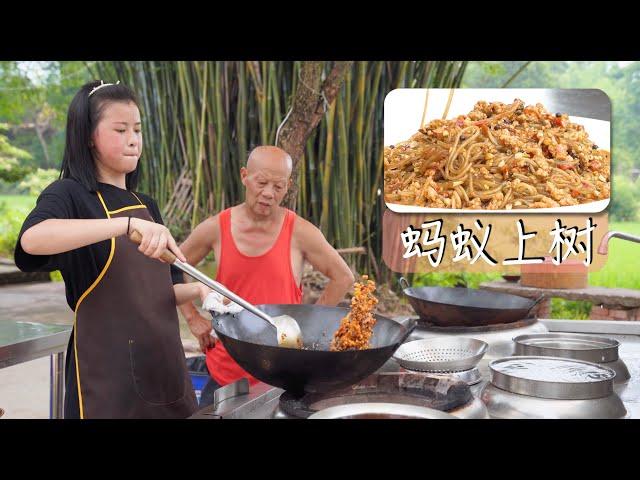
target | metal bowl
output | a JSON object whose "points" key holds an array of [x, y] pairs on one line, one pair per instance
{"points": [[385, 411]]}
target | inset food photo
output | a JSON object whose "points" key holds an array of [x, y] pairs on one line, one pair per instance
{"points": [[497, 150]]}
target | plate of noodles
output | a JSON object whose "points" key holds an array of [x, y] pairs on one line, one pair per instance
{"points": [[492, 156]]}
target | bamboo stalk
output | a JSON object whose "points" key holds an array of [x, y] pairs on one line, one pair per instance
{"points": [[201, 120]]}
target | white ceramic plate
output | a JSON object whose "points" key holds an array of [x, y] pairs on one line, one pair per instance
{"points": [[403, 111]]}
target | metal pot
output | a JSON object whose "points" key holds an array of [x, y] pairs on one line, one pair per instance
{"points": [[508, 405], [549, 387]]}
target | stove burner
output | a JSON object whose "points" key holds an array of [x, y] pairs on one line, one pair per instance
{"points": [[408, 388], [479, 329], [470, 377]]}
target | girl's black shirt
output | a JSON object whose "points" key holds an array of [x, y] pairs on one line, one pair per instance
{"points": [[69, 199]]}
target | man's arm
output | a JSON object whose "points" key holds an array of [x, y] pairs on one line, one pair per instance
{"points": [[200, 242], [198, 245], [324, 258]]}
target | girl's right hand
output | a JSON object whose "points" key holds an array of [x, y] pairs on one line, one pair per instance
{"points": [[155, 239]]}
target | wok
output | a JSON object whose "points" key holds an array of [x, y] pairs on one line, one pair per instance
{"points": [[458, 307], [253, 345]]}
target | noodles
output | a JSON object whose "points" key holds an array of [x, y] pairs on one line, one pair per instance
{"points": [[497, 157], [356, 328]]}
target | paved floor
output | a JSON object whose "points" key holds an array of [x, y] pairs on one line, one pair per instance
{"points": [[24, 388]]}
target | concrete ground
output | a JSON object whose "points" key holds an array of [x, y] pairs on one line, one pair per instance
{"points": [[24, 388]]}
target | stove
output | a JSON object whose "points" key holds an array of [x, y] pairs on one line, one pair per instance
{"points": [[263, 401], [390, 384], [470, 377]]}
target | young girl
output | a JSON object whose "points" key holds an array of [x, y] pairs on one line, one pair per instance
{"points": [[125, 357]]}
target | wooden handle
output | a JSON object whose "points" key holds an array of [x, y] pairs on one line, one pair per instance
{"points": [[167, 256]]}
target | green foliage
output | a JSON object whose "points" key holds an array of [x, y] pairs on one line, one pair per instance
{"points": [[10, 223], [10, 169], [437, 279], [493, 69], [569, 309], [56, 276], [42, 100], [496, 74], [469, 280], [13, 211], [624, 200], [11, 172], [37, 181], [24, 203], [621, 269]]}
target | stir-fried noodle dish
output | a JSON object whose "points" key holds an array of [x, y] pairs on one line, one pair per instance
{"points": [[356, 328], [497, 157]]}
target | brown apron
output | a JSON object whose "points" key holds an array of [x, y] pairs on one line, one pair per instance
{"points": [[130, 362]]}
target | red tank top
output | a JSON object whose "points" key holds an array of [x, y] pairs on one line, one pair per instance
{"points": [[266, 278]]}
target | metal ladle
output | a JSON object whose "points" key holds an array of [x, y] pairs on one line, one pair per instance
{"points": [[287, 329]]}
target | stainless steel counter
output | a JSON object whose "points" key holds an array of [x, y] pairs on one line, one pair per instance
{"points": [[24, 341]]}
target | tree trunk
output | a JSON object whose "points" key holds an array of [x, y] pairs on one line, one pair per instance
{"points": [[307, 112], [39, 129], [43, 142]]}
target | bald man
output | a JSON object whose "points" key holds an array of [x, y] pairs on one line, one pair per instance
{"points": [[260, 248]]}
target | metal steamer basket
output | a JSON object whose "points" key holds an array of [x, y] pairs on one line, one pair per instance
{"points": [[454, 357], [589, 348], [548, 387]]}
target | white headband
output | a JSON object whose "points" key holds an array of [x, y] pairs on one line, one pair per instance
{"points": [[102, 84]]}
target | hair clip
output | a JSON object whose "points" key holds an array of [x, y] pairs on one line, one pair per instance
{"points": [[102, 84]]}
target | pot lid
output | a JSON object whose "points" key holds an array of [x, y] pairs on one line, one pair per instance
{"points": [[549, 377]]}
